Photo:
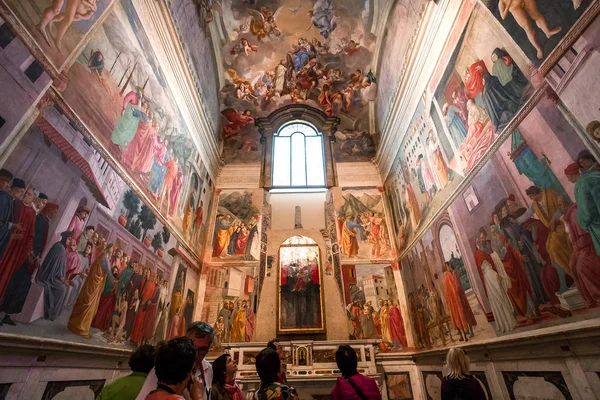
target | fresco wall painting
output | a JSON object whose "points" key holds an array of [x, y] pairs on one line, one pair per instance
{"points": [[538, 28], [279, 54], [230, 299], [401, 28], [58, 32], [483, 85], [99, 269], [362, 229], [527, 263], [114, 88], [372, 305]]}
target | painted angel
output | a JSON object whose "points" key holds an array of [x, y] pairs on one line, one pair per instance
{"points": [[322, 17], [263, 22], [244, 47]]}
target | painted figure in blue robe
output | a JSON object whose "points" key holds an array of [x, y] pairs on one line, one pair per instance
{"points": [[127, 124], [6, 209], [300, 56], [354, 223], [157, 174], [51, 276], [457, 128], [322, 17]]}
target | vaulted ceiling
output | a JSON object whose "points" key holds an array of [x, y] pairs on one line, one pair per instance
{"points": [[343, 57]]}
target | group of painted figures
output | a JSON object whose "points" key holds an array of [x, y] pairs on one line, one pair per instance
{"points": [[235, 238], [94, 282], [151, 156], [234, 324], [369, 227], [528, 256], [434, 315], [385, 323]]}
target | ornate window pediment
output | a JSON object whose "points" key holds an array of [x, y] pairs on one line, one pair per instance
{"points": [[298, 151]]}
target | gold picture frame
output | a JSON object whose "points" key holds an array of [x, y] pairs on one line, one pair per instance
{"points": [[311, 246]]}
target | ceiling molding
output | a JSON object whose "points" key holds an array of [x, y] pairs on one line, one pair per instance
{"points": [[158, 23]]}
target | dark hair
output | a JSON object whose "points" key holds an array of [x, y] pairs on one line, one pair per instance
{"points": [[268, 365], [220, 369], [271, 344], [200, 329], [6, 174], [90, 227], [142, 359], [346, 360], [175, 360], [585, 155], [532, 190]]}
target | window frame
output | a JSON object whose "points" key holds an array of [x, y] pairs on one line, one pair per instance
{"points": [[306, 157]]}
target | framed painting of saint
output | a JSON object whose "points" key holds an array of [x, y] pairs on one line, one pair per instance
{"points": [[300, 277]]}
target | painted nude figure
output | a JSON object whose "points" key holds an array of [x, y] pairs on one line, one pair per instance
{"points": [[75, 10], [524, 11]]}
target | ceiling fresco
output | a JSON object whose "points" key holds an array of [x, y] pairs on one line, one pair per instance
{"points": [[281, 52]]}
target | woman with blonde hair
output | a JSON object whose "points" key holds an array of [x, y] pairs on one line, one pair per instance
{"points": [[458, 383]]}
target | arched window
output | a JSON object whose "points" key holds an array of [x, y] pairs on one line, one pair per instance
{"points": [[298, 158]]}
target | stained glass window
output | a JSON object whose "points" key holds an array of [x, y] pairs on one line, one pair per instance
{"points": [[298, 158]]}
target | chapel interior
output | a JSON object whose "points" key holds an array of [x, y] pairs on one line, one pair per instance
{"points": [[404, 176]]}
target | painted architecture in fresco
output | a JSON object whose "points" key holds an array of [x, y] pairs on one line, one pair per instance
{"points": [[92, 261], [372, 304], [118, 91]]}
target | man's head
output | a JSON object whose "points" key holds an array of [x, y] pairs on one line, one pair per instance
{"points": [[275, 345], [593, 129], [175, 361], [142, 359], [268, 365], [534, 193], [89, 231], [563, 203], [17, 190], [82, 212], [202, 335], [29, 196], [6, 178], [482, 234], [346, 360], [41, 201], [586, 160]]}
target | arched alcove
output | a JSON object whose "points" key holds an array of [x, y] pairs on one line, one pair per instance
{"points": [[300, 306]]}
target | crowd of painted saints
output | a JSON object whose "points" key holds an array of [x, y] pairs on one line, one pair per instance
{"points": [[93, 282], [384, 322], [528, 255], [234, 324], [236, 238], [309, 71], [360, 229], [151, 156]]}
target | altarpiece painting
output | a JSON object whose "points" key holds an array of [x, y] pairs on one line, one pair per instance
{"points": [[300, 305]]}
